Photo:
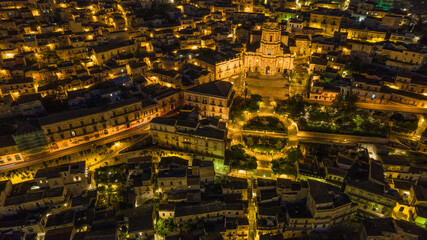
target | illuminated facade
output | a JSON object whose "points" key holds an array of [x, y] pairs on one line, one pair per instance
{"points": [[189, 135], [270, 56], [67, 129]]}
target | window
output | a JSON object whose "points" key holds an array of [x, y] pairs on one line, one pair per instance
{"points": [[271, 38], [269, 51]]}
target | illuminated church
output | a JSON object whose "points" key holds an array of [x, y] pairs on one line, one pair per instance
{"points": [[269, 56]]}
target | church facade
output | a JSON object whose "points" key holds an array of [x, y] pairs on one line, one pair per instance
{"points": [[270, 55]]}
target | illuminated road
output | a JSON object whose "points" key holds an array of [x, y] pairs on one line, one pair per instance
{"points": [[339, 138], [252, 213], [380, 107]]}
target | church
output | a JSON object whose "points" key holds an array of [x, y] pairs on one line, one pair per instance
{"points": [[270, 55]]}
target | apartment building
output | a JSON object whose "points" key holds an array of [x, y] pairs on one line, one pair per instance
{"points": [[323, 91], [235, 229], [70, 128], [172, 174], [208, 211], [372, 198], [73, 177], [27, 196], [389, 228], [329, 20], [325, 206], [168, 78], [201, 137], [140, 178], [365, 34], [370, 90], [223, 66], [291, 191], [328, 205], [212, 99], [406, 82], [18, 86], [103, 53], [403, 57], [9, 151]]}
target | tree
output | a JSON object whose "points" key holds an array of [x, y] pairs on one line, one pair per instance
{"points": [[253, 105], [165, 226], [282, 166], [123, 232], [345, 103], [241, 160], [295, 106], [250, 164], [294, 154]]}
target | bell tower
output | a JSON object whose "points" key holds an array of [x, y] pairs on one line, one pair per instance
{"points": [[270, 39]]}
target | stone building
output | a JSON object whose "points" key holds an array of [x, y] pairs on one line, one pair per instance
{"points": [[269, 56]]}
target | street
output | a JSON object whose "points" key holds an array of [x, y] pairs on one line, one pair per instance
{"points": [[380, 107], [339, 138]]}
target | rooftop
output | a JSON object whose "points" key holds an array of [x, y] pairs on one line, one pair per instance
{"points": [[216, 88]]}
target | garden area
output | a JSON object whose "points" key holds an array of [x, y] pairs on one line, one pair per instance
{"points": [[169, 225], [241, 160], [401, 124], [287, 165], [343, 117], [110, 184], [264, 144], [269, 124], [242, 104]]}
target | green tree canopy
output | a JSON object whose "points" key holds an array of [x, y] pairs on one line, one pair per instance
{"points": [[165, 226], [345, 103]]}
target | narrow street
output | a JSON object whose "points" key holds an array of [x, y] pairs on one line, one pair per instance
{"points": [[252, 212]]}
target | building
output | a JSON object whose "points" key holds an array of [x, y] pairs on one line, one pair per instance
{"points": [[71, 128], [212, 99], [200, 137], [25, 196], [388, 228], [365, 35], [141, 179], [329, 20], [73, 177], [372, 194], [172, 174], [325, 207], [9, 150], [269, 56], [224, 66], [168, 78]]}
